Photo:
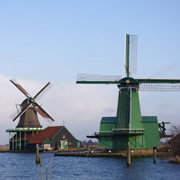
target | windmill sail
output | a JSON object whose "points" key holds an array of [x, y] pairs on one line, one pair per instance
{"points": [[97, 79], [42, 112], [42, 90], [159, 85], [131, 54], [20, 88]]}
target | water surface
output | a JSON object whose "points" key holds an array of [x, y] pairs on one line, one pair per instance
{"points": [[20, 166]]}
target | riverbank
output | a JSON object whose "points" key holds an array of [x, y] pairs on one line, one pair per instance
{"points": [[96, 152], [134, 153], [175, 159], [4, 148]]}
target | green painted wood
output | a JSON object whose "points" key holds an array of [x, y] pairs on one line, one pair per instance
{"points": [[97, 82], [78, 144], [127, 56], [152, 135], [123, 114], [136, 121], [171, 81], [110, 135]]}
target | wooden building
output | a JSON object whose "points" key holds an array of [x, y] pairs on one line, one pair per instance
{"points": [[55, 137]]}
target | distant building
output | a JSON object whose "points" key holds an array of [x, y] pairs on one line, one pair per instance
{"points": [[55, 137]]}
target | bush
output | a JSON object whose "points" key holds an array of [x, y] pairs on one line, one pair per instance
{"points": [[175, 144]]}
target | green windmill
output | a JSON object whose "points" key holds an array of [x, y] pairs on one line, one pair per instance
{"points": [[129, 125]]}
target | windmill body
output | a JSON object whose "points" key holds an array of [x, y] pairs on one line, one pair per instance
{"points": [[30, 118], [129, 125]]}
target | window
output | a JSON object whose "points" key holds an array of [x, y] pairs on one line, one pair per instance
{"points": [[64, 136]]}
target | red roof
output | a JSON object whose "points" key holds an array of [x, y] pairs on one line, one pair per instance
{"points": [[49, 132]]}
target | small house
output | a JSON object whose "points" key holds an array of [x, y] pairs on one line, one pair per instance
{"points": [[55, 137]]}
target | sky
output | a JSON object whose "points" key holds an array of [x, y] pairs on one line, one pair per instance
{"points": [[42, 41]]}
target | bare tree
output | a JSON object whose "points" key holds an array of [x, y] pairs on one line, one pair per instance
{"points": [[175, 129], [175, 141]]}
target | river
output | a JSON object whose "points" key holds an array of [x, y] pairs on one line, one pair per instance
{"points": [[22, 166]]}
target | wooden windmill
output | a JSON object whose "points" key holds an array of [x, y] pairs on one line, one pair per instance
{"points": [[28, 124], [129, 125], [30, 108]]}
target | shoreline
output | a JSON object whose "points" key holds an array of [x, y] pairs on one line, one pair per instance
{"points": [[85, 153]]}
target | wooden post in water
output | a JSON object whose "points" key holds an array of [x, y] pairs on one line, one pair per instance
{"points": [[40, 172], [50, 171], [154, 155], [129, 155], [38, 160]]}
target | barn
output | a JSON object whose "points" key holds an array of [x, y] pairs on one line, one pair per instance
{"points": [[54, 137]]}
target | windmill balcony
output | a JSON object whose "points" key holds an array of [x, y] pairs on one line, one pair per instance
{"points": [[121, 131], [128, 131], [24, 129]]}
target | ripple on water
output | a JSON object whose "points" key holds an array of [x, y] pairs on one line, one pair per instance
{"points": [[20, 166]]}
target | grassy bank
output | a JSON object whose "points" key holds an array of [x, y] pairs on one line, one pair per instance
{"points": [[4, 148]]}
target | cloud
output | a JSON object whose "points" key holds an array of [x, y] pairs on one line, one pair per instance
{"points": [[80, 107], [165, 105]]}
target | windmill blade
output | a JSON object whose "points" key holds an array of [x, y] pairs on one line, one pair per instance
{"points": [[97, 79], [18, 107], [159, 84], [131, 54], [22, 112], [20, 88], [159, 87], [12, 116], [159, 81], [45, 87], [42, 112]]}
